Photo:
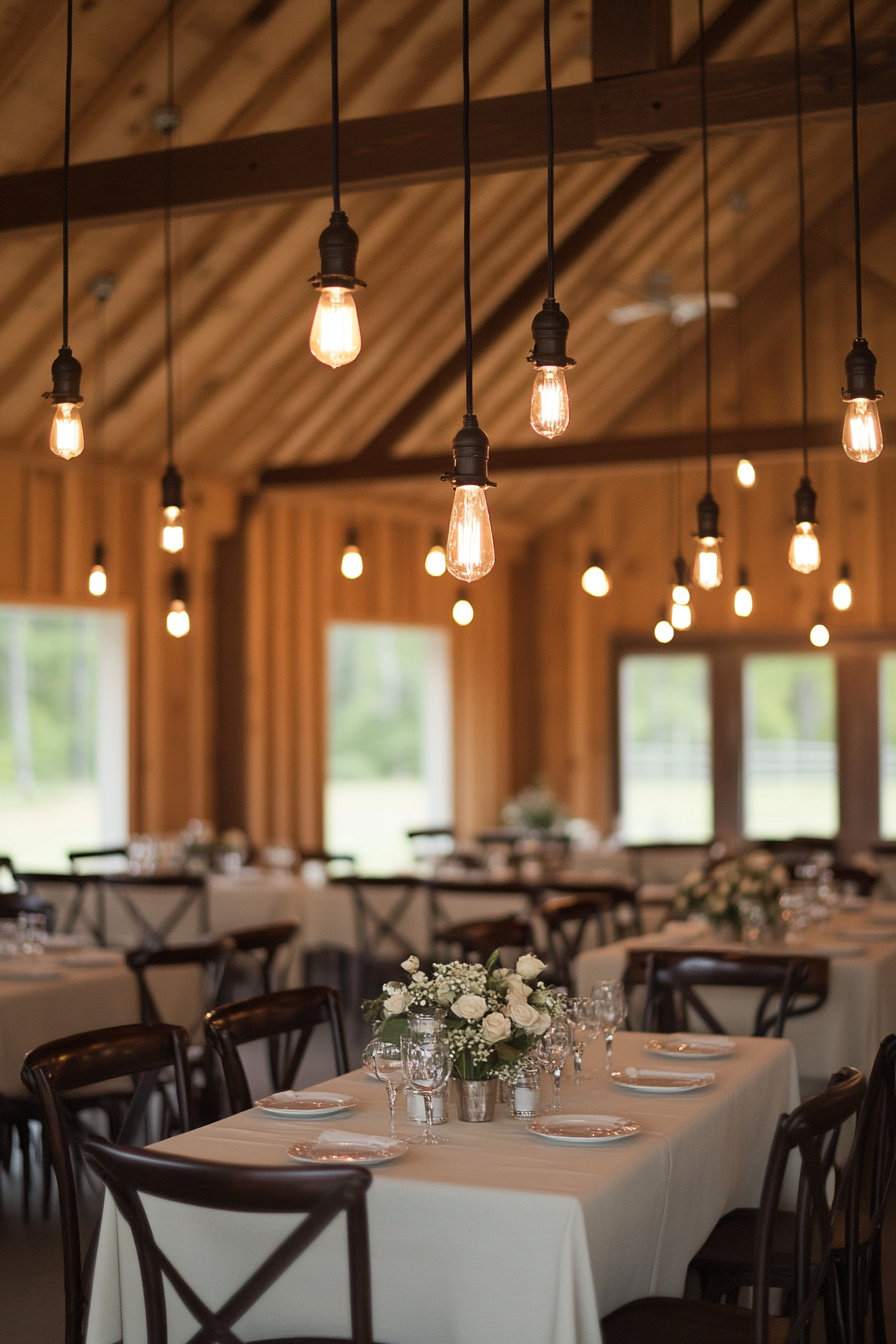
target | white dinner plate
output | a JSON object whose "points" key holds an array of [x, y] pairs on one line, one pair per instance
{"points": [[306, 1105], [364, 1154], [662, 1080], [12, 972], [93, 957], [866, 935], [682, 1046], [584, 1128]]}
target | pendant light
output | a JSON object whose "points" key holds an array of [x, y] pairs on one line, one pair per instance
{"points": [[67, 432], [663, 631], [102, 287], [335, 333], [462, 611], [708, 562], [862, 437], [743, 597], [680, 614], [841, 597], [595, 580], [745, 473], [178, 618], [471, 548], [352, 563], [167, 119], [434, 564], [805, 552], [549, 412], [819, 635]]}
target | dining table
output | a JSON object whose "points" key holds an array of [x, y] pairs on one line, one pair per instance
{"points": [[860, 946], [497, 1234]]}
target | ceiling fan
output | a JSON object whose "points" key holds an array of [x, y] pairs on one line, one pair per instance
{"points": [[657, 296]]}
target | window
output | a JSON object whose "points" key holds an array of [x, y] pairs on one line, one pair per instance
{"points": [[888, 746], [790, 746], [63, 733], [665, 748], [389, 759]]}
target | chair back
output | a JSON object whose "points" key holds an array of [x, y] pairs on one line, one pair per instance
{"points": [[25, 902], [209, 955], [321, 1195], [286, 1019], [792, 986], [812, 1131], [103, 861], [864, 1192], [266, 940], [480, 937], [136, 1053]]}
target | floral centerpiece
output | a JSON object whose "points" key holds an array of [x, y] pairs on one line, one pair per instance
{"points": [[493, 1016], [536, 808], [732, 888]]}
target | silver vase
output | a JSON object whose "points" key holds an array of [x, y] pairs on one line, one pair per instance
{"points": [[476, 1098]]}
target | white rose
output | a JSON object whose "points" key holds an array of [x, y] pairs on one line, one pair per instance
{"points": [[419, 978], [396, 1004], [514, 987], [496, 1027], [412, 964], [528, 967], [444, 995], [541, 1026], [524, 1015], [470, 1006]]}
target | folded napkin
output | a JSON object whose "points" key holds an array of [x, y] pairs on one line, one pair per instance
{"points": [[702, 1038], [331, 1138], [647, 1074]]}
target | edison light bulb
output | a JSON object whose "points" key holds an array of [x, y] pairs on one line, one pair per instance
{"points": [[708, 564], [471, 549], [680, 616], [96, 582], [745, 473], [663, 632], [335, 332], [462, 611], [172, 530], [352, 562], [819, 635], [596, 581], [743, 601], [435, 563], [67, 432], [842, 594], [681, 594], [805, 553], [549, 413], [862, 437], [178, 619]]}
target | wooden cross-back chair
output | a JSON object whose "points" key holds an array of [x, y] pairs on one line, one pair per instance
{"points": [[321, 1195], [285, 1019], [810, 1132], [262, 943], [792, 986], [136, 1054], [570, 910]]}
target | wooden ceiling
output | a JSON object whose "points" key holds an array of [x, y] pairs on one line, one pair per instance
{"points": [[250, 397]]}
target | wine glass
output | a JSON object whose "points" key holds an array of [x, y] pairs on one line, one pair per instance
{"points": [[427, 1065], [388, 1066], [551, 1052], [581, 1015], [608, 997]]}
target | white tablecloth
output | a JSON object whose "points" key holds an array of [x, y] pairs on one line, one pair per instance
{"points": [[860, 1008], [498, 1235]]}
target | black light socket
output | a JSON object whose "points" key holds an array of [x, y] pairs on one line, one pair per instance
{"points": [[805, 499], [172, 488], [708, 517], [180, 586], [742, 580], [470, 447], [99, 555], [338, 255], [682, 572], [845, 572], [596, 561], [861, 367], [351, 536], [66, 372], [550, 328]]}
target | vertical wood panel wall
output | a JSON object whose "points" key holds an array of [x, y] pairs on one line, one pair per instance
{"points": [[294, 589], [52, 520]]}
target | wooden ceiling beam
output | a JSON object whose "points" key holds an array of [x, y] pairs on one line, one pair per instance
{"points": [[626, 115], [744, 442]]}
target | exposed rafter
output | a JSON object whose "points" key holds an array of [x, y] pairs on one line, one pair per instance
{"points": [[627, 115]]}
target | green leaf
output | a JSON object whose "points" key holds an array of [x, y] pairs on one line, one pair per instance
{"points": [[493, 959]]}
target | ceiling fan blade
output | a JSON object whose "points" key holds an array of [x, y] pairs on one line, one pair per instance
{"points": [[634, 312]]}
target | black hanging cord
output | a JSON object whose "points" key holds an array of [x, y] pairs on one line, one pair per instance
{"points": [[66, 157], [549, 106], [854, 64], [468, 299], [334, 99], [166, 231], [707, 323], [804, 361]]}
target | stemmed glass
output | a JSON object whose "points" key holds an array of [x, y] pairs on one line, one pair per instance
{"points": [[608, 997], [427, 1065], [583, 1027], [551, 1053], [388, 1066]]}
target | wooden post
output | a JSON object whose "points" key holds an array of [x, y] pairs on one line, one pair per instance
{"points": [[630, 36], [858, 752]]}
